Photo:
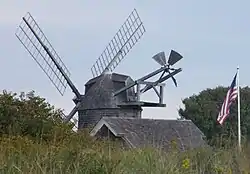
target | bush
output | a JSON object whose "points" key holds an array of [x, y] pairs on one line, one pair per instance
{"points": [[80, 153], [34, 140], [29, 115]]}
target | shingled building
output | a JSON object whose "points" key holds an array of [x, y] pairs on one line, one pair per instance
{"points": [[139, 133], [107, 116], [99, 101]]}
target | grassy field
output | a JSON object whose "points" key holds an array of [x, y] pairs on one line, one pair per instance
{"points": [[81, 154]]}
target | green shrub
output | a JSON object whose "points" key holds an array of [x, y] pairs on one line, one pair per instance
{"points": [[34, 140]]}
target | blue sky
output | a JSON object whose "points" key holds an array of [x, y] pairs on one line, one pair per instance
{"points": [[213, 37]]}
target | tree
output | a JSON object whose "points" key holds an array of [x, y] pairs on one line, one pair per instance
{"points": [[203, 110], [29, 115]]}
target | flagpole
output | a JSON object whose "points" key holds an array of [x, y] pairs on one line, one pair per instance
{"points": [[238, 92]]}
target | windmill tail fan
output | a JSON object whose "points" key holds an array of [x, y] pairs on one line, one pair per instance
{"points": [[160, 58], [174, 57]]}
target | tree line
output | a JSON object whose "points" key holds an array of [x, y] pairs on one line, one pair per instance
{"points": [[203, 110], [27, 114]]}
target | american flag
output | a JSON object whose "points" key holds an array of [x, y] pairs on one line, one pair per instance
{"points": [[230, 97]]}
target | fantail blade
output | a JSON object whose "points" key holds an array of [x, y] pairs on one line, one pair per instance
{"points": [[174, 57], [160, 58]]}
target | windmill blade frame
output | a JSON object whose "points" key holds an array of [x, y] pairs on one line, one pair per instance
{"points": [[72, 113], [36, 43], [127, 36]]}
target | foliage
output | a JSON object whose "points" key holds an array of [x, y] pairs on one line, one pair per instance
{"points": [[34, 140], [80, 153], [203, 110], [29, 115]]}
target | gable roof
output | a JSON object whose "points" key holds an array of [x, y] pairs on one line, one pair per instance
{"points": [[155, 133]]}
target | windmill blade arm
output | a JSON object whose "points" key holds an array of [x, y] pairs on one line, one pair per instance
{"points": [[69, 82], [123, 41], [73, 112], [36, 43]]}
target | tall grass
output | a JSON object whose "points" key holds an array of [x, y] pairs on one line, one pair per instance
{"points": [[79, 153]]}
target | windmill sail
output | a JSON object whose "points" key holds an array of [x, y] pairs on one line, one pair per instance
{"points": [[36, 43], [123, 41]]}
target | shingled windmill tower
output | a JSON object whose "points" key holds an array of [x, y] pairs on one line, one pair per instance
{"points": [[99, 100], [107, 94]]}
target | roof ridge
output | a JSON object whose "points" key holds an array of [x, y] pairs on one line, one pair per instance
{"points": [[130, 118]]}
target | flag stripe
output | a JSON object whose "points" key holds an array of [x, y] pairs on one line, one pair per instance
{"points": [[232, 94]]}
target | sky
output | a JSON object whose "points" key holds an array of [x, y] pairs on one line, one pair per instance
{"points": [[212, 36]]}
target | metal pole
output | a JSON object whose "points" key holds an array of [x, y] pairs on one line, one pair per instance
{"points": [[239, 125]]}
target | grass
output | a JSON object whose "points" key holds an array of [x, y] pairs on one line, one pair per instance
{"points": [[77, 154]]}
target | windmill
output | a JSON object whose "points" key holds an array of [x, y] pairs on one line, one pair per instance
{"points": [[107, 93]]}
